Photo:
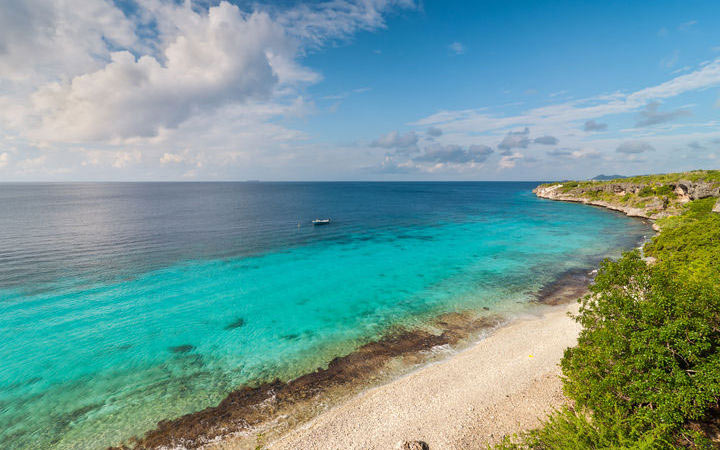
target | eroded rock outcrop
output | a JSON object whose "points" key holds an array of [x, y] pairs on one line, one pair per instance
{"points": [[554, 192], [610, 195]]}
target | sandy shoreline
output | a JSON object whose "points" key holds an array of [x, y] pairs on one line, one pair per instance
{"points": [[503, 384]]}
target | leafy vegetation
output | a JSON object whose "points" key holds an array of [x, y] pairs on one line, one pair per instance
{"points": [[646, 370], [712, 176], [665, 178]]}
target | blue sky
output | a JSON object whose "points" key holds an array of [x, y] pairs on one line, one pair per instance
{"points": [[354, 90]]}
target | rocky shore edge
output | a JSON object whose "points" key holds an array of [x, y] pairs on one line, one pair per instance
{"points": [[657, 207]]}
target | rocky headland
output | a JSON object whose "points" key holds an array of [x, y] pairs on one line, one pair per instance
{"points": [[651, 197]]}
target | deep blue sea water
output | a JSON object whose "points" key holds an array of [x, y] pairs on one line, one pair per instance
{"points": [[122, 304]]}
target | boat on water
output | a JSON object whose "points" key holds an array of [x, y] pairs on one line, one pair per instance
{"points": [[321, 221]]}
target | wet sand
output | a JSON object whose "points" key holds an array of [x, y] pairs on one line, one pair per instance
{"points": [[505, 383]]}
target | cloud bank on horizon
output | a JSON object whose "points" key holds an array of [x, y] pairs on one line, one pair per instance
{"points": [[162, 90]]}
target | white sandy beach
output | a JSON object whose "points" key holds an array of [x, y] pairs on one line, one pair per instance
{"points": [[503, 384]]}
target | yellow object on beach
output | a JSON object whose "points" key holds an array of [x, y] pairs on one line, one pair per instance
{"points": [[531, 356]]}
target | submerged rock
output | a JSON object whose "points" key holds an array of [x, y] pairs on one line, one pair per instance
{"points": [[237, 324], [182, 348]]}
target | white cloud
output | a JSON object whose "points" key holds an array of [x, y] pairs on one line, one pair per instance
{"points": [[169, 158], [546, 140], [124, 159], [396, 140], [562, 115], [42, 39], [634, 147], [454, 154], [210, 64], [592, 125], [32, 164], [515, 139], [4, 158], [652, 115], [509, 161], [211, 80]]}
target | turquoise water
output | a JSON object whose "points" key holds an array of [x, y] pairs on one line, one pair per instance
{"points": [[121, 305]]}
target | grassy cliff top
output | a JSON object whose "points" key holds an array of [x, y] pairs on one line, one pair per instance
{"points": [[711, 176], [655, 196]]}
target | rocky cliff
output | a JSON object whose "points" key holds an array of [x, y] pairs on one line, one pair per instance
{"points": [[651, 197]]}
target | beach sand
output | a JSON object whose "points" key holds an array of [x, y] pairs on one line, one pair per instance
{"points": [[505, 383]]}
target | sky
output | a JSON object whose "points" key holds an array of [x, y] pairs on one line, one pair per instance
{"points": [[161, 90]]}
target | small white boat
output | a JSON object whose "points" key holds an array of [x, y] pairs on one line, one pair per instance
{"points": [[321, 221]]}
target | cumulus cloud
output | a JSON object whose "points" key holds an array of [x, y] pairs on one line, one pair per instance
{"points": [[515, 139], [546, 140], [170, 158], [4, 158], [124, 159], [210, 64], [396, 140], [69, 37], [391, 166], [634, 147], [510, 161], [651, 115], [454, 154], [99, 76], [434, 132], [592, 125]]}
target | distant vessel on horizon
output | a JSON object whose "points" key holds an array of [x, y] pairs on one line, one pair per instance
{"points": [[321, 221]]}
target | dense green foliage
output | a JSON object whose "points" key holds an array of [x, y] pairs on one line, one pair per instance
{"points": [[690, 243], [646, 369]]}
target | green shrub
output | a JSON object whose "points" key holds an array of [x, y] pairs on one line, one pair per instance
{"points": [[666, 190], [647, 362], [569, 185], [567, 429], [647, 191], [690, 243], [649, 349]]}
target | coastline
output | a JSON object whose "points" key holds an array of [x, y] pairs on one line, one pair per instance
{"points": [[320, 409], [253, 417]]}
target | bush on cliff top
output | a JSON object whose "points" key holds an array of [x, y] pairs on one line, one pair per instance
{"points": [[646, 369], [649, 350], [712, 176], [690, 243]]}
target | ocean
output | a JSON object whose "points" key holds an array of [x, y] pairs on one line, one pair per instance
{"points": [[122, 304]]}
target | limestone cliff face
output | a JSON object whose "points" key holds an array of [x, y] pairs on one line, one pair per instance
{"points": [[554, 193], [618, 196]]}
